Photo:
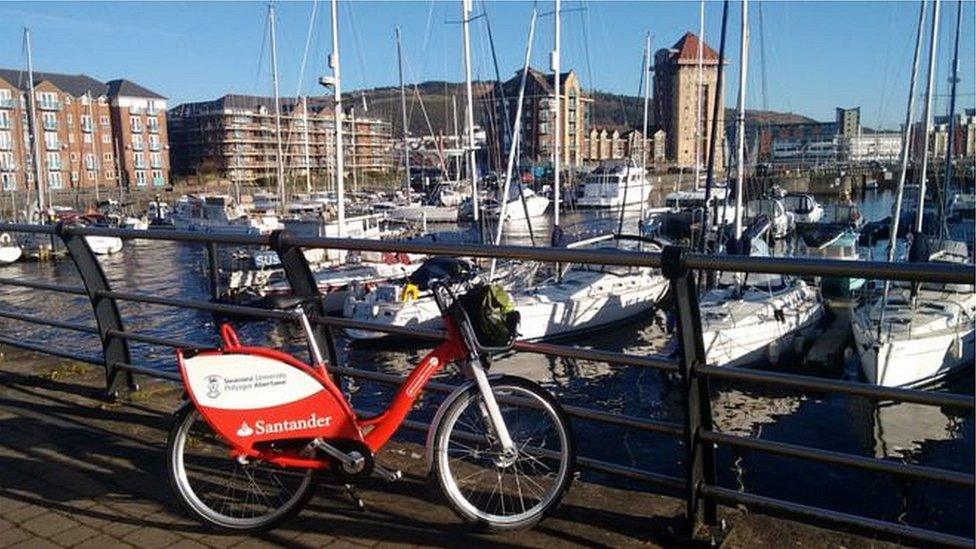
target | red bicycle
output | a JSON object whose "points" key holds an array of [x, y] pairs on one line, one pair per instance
{"points": [[244, 451]]}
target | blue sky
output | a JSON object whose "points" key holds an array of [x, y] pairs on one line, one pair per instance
{"points": [[818, 55]]}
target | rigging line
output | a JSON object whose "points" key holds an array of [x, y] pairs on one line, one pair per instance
{"points": [[357, 43], [308, 43], [264, 44], [630, 153]]}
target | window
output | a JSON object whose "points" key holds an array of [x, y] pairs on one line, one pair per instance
{"points": [[71, 120], [135, 124], [137, 142], [6, 99], [91, 176], [9, 180], [106, 138], [4, 119], [54, 180], [6, 143], [103, 120], [50, 121], [87, 138], [155, 159], [74, 157], [71, 138], [153, 125], [74, 176], [86, 122], [107, 157], [109, 174], [140, 178], [6, 161], [139, 160], [48, 100], [90, 162], [154, 142], [54, 161], [51, 141], [157, 177]]}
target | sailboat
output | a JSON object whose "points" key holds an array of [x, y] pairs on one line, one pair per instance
{"points": [[10, 251], [752, 316], [919, 334]]}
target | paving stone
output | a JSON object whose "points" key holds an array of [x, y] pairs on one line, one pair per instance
{"points": [[35, 543], [14, 535], [74, 536], [151, 538], [103, 542], [23, 514], [48, 524]]}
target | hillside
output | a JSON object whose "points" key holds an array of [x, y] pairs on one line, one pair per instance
{"points": [[608, 110]]}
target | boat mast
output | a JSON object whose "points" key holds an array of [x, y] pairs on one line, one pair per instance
{"points": [[713, 129], [741, 117], [277, 104], [516, 133], [933, 46], [32, 119], [906, 146], [465, 23], [337, 87], [403, 111], [95, 151], [701, 85], [647, 102], [953, 80], [557, 189], [906, 143]]}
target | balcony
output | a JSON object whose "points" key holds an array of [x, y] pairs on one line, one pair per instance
{"points": [[156, 164], [153, 128], [7, 166], [4, 123], [87, 128], [6, 103], [52, 145], [135, 110], [136, 146], [54, 166], [158, 181], [50, 126], [6, 145], [49, 105], [154, 146]]}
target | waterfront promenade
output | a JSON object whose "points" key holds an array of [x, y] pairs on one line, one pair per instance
{"points": [[78, 471]]}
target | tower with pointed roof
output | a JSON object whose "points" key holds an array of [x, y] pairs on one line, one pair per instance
{"points": [[676, 100]]}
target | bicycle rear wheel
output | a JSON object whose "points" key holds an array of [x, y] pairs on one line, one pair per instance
{"points": [[480, 484], [223, 492]]}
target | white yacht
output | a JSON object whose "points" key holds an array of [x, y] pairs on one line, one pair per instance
{"points": [[804, 207], [218, 213], [781, 221], [910, 341], [612, 185], [757, 318], [514, 209]]}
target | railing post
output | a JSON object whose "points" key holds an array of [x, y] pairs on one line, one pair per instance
{"points": [[700, 456], [115, 349], [303, 284], [213, 270]]}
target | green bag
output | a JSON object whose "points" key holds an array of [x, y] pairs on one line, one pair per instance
{"points": [[493, 315]]}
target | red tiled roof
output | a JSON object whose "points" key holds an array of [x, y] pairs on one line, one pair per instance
{"points": [[687, 50]]}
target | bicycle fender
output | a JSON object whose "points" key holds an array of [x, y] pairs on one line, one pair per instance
{"points": [[439, 415]]}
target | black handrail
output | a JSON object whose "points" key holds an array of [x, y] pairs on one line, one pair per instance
{"points": [[699, 484]]}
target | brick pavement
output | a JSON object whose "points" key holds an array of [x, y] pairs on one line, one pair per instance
{"points": [[76, 471]]}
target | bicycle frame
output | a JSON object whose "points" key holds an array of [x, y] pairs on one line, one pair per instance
{"points": [[311, 391]]}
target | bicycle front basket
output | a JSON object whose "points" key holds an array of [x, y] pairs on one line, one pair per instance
{"points": [[493, 316]]}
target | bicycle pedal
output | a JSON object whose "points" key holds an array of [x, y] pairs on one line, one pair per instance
{"points": [[387, 474]]}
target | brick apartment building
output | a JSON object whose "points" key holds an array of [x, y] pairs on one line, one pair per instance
{"points": [[234, 138], [80, 123], [676, 95], [615, 144], [538, 117]]}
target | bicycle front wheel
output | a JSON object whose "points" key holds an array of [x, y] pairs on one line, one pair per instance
{"points": [[226, 493], [483, 486]]}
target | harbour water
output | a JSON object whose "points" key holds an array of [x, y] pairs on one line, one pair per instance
{"points": [[911, 433]]}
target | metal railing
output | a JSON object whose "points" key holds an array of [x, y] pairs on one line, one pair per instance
{"points": [[695, 433]]}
